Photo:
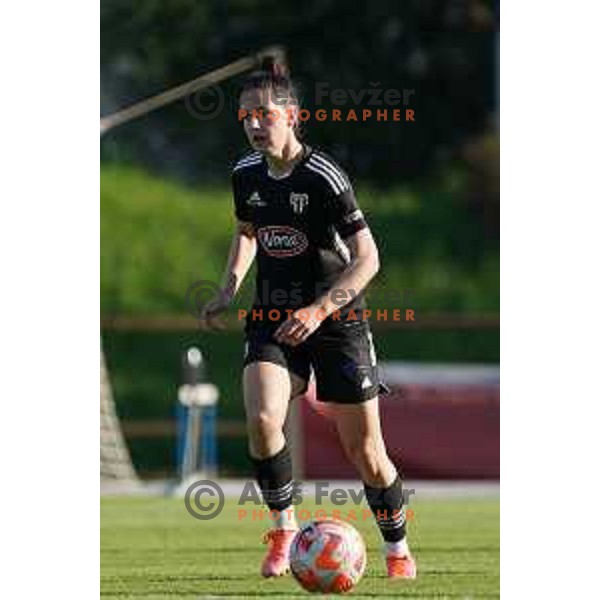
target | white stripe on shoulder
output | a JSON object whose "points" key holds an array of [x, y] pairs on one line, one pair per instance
{"points": [[248, 161], [245, 165], [324, 160], [326, 175], [248, 157], [341, 183]]}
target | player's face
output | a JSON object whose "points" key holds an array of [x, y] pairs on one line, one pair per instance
{"points": [[268, 125]]}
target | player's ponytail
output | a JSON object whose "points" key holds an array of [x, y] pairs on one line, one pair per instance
{"points": [[272, 67]]}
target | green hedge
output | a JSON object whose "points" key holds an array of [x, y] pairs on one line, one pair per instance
{"points": [[158, 237]]}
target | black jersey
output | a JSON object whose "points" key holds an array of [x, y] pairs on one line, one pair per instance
{"points": [[300, 221]]}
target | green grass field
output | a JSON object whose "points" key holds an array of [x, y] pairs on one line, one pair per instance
{"points": [[152, 548]]}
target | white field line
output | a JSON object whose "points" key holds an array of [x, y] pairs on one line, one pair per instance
{"points": [[232, 488]]}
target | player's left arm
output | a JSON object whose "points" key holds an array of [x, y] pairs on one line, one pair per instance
{"points": [[363, 266]]}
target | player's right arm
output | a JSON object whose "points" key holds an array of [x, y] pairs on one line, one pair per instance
{"points": [[243, 245], [242, 251], [241, 254]]}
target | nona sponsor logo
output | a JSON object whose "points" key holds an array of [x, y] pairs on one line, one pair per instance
{"points": [[282, 241]]}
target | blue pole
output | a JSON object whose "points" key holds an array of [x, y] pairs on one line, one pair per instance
{"points": [[181, 415]]}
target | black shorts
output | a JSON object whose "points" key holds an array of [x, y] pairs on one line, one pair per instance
{"points": [[341, 355]]}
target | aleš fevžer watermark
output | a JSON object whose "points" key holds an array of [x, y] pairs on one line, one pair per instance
{"points": [[204, 500]]}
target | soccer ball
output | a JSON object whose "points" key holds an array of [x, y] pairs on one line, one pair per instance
{"points": [[328, 556]]}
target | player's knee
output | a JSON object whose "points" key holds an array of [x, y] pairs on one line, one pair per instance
{"points": [[264, 425]]}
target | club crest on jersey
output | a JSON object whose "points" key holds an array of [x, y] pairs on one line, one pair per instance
{"points": [[282, 241], [298, 202], [254, 200]]}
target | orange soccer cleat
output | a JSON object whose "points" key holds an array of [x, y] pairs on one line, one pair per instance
{"points": [[277, 560], [401, 566]]}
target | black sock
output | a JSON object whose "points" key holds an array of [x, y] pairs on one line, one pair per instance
{"points": [[274, 476], [386, 505]]}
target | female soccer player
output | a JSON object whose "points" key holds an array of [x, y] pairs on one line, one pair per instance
{"points": [[297, 214]]}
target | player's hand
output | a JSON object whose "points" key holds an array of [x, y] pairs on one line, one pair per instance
{"points": [[302, 323], [209, 315]]}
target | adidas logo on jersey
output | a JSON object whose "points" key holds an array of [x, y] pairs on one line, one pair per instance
{"points": [[255, 200]]}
